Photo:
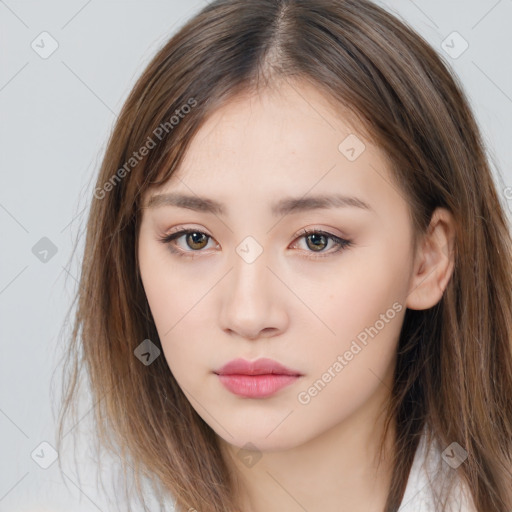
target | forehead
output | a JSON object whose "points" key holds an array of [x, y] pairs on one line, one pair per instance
{"points": [[293, 111], [286, 142], [278, 131]]}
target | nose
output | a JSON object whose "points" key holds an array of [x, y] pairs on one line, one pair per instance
{"points": [[253, 301]]}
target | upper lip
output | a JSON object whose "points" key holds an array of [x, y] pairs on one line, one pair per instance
{"points": [[260, 366]]}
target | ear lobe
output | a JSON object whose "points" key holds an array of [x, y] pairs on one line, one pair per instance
{"points": [[434, 262]]}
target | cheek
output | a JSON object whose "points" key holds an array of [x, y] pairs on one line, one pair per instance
{"points": [[171, 306], [350, 367], [358, 293], [364, 309], [160, 286], [169, 291], [174, 320], [175, 301]]}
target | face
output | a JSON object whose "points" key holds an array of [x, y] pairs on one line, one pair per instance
{"points": [[317, 285]]}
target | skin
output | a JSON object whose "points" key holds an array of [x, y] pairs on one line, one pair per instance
{"points": [[303, 312]]}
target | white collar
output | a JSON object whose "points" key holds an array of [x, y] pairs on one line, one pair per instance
{"points": [[423, 491]]}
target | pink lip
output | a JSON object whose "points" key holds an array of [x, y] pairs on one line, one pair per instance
{"points": [[261, 366], [256, 379]]}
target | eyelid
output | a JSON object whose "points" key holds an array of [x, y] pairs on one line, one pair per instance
{"points": [[317, 229], [302, 231]]}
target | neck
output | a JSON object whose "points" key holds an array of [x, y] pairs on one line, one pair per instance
{"points": [[337, 471]]}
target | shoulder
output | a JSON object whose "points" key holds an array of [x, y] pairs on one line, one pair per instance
{"points": [[429, 478]]}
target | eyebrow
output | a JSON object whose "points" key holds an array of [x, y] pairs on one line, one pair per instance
{"points": [[280, 208]]}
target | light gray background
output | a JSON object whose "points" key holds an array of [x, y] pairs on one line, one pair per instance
{"points": [[56, 116]]}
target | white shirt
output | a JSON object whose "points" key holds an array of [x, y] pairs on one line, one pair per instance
{"points": [[423, 494]]}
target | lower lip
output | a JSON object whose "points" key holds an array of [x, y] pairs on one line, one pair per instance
{"points": [[256, 386]]}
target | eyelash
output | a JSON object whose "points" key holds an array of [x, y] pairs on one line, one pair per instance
{"points": [[341, 243]]}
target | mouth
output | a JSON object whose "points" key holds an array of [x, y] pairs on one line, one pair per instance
{"points": [[258, 379], [256, 386], [261, 366]]}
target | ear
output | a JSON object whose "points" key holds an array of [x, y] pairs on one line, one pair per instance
{"points": [[434, 262]]}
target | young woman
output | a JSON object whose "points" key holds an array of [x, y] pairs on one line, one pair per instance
{"points": [[296, 287]]}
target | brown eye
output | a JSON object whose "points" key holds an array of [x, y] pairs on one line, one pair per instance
{"points": [[318, 241], [196, 240], [193, 242]]}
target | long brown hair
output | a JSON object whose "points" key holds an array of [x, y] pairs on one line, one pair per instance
{"points": [[454, 361]]}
